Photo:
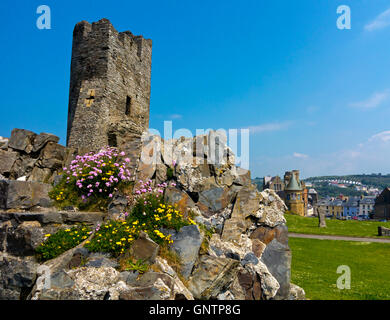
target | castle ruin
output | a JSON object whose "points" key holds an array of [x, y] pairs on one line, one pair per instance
{"points": [[109, 96]]}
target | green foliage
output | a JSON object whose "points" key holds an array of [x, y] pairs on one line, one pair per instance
{"points": [[61, 241], [315, 262], [208, 232], [324, 190], [138, 265], [113, 237], [351, 228], [169, 173]]}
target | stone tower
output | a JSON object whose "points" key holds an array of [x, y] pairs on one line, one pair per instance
{"points": [[109, 92], [294, 190]]}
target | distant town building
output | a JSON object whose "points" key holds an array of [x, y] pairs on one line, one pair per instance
{"points": [[351, 207], [291, 190], [347, 207], [312, 196], [382, 205], [366, 206], [331, 206], [274, 183], [294, 197]]}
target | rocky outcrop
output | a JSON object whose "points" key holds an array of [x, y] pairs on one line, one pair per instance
{"points": [[32, 157], [239, 250]]}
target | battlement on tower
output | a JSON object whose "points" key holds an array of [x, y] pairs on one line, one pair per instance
{"points": [[109, 94]]}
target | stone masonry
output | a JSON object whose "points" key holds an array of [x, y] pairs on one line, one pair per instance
{"points": [[109, 92]]}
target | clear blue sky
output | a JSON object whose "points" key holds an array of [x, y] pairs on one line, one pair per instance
{"points": [[315, 97]]}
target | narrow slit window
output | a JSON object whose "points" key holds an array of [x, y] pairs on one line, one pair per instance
{"points": [[112, 142], [128, 106]]}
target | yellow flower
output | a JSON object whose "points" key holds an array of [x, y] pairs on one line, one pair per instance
{"points": [[119, 243], [87, 241], [47, 235], [67, 230]]}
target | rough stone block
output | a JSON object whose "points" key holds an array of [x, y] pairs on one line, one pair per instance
{"points": [[277, 258], [7, 160], [211, 275], [26, 195], [180, 198], [40, 174], [144, 248], [53, 156], [17, 276], [22, 140], [22, 240], [214, 200], [86, 217], [43, 138], [186, 243]]}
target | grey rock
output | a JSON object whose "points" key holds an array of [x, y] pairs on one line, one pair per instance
{"points": [[246, 285], [250, 258], [23, 167], [186, 243], [129, 277], [50, 217], [40, 174], [144, 248], [27, 194], [296, 293], [118, 203], [79, 284], [97, 262], [23, 239], [43, 138], [247, 203], [277, 258], [52, 156], [7, 161], [214, 200], [151, 286], [22, 140], [17, 276], [179, 197], [211, 276], [83, 217], [232, 255], [61, 280]]}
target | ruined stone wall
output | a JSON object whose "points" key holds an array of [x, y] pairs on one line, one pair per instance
{"points": [[109, 87], [28, 156]]}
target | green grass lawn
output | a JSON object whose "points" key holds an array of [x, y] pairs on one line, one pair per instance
{"points": [[315, 262], [351, 228]]}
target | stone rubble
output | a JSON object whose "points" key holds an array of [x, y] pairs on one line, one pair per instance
{"points": [[246, 256]]}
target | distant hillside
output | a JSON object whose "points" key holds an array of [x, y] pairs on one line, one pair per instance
{"points": [[372, 180]]}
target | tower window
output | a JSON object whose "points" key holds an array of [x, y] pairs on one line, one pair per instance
{"points": [[112, 140], [128, 105]]}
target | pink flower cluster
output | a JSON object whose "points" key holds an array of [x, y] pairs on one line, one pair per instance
{"points": [[98, 173], [145, 187]]}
